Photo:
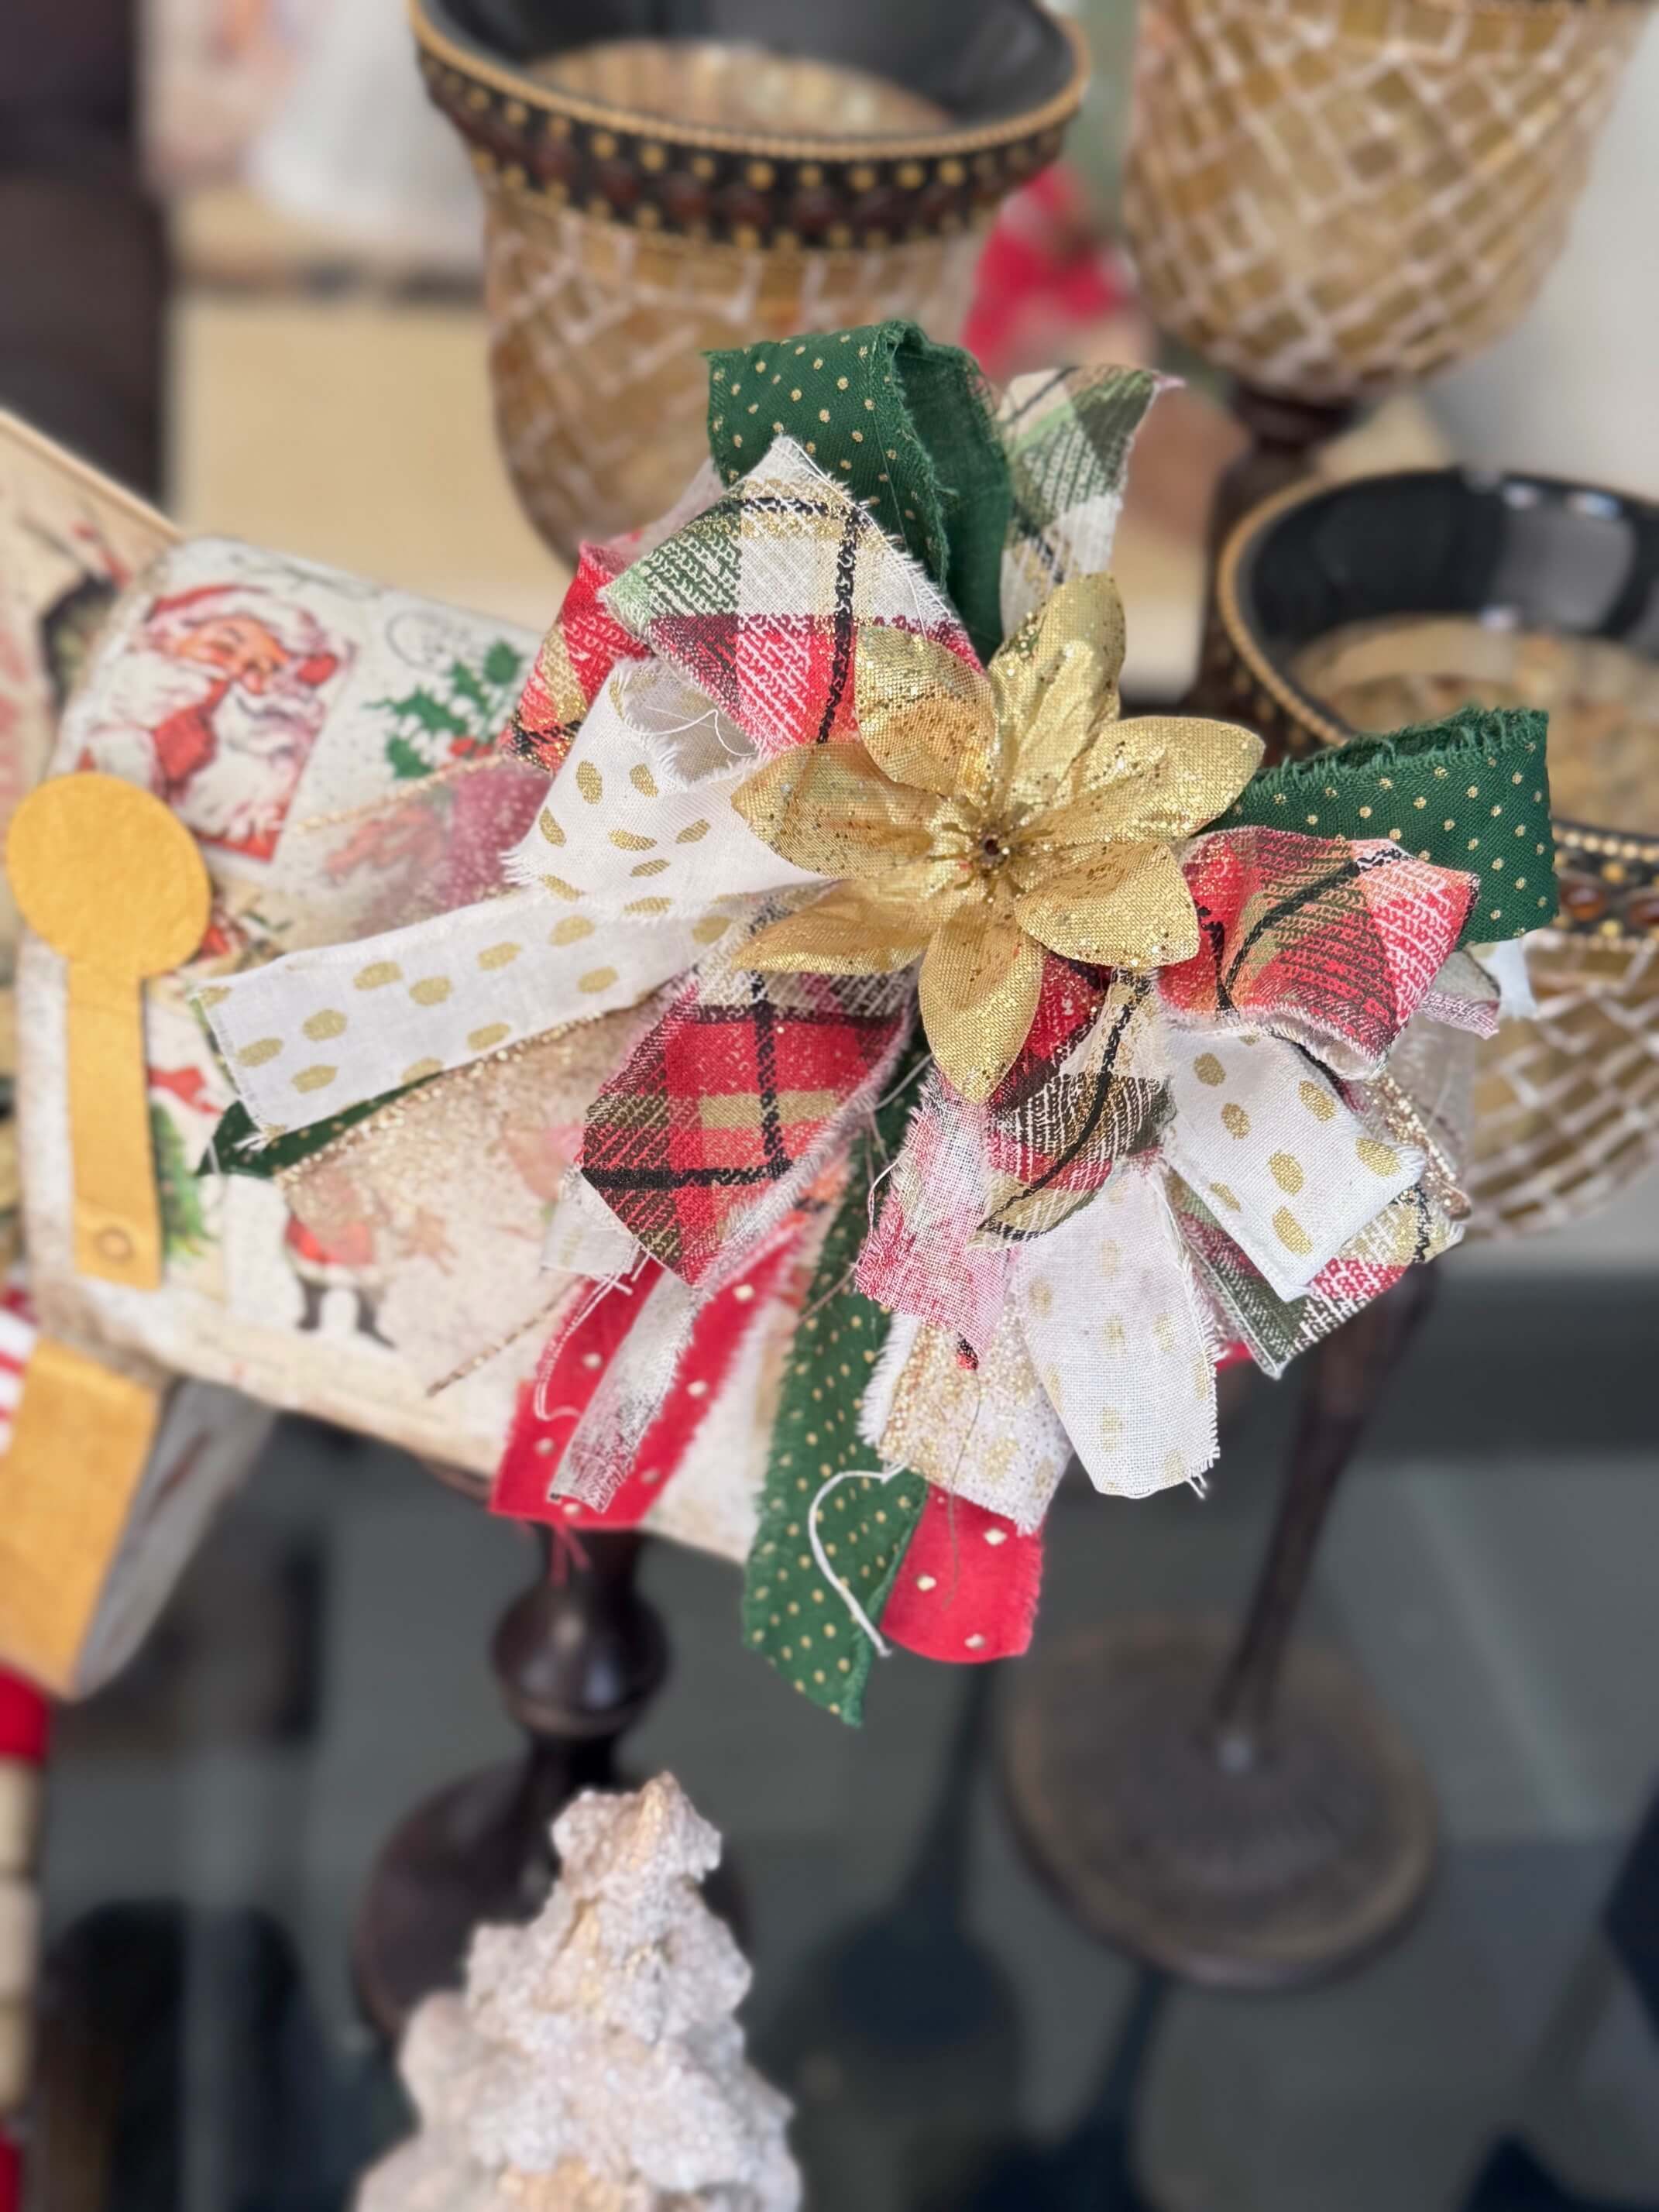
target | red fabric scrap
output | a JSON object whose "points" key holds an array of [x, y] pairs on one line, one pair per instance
{"points": [[25, 1720], [535, 1448], [968, 1588]]}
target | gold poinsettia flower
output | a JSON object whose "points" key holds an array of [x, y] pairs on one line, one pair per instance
{"points": [[985, 815]]}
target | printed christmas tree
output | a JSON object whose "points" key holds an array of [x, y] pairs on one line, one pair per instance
{"points": [[593, 2064]]}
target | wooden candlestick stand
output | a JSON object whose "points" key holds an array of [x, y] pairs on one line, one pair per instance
{"points": [[1285, 436], [579, 1657], [1224, 1804]]}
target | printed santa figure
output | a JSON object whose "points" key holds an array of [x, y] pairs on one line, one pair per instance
{"points": [[339, 1250], [216, 708]]}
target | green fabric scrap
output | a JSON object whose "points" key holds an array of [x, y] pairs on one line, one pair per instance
{"points": [[238, 1146], [1471, 793], [906, 425], [792, 1614]]}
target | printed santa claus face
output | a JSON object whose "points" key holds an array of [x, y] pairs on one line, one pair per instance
{"points": [[240, 647], [216, 707]]}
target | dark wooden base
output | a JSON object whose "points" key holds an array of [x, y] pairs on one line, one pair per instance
{"points": [[1286, 438], [578, 1657], [1259, 1873], [1228, 1805]]}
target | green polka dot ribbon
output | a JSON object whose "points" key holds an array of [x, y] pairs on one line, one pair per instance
{"points": [[1471, 793], [905, 424], [792, 1614]]}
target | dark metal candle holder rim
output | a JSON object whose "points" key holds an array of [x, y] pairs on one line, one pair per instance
{"points": [[1608, 877], [663, 176]]}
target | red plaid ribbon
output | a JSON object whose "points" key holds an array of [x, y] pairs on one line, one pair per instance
{"points": [[572, 664], [761, 600], [1330, 944], [702, 1140]]}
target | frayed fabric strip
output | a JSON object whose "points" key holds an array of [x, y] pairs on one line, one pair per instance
{"points": [[308, 1035]]}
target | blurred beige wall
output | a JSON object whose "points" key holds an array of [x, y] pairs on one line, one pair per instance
{"points": [[1575, 390]]}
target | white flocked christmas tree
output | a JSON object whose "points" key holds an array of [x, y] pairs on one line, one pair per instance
{"points": [[593, 2064]]}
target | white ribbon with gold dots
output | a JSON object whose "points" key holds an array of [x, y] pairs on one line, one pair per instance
{"points": [[1262, 1136], [1118, 1330], [636, 866], [327, 1029]]}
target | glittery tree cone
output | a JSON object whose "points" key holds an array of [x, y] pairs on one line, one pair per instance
{"points": [[1329, 197], [594, 2062], [649, 199], [1344, 610]]}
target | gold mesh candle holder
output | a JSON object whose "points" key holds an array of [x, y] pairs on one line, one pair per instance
{"points": [[648, 200], [1393, 599], [1330, 197]]}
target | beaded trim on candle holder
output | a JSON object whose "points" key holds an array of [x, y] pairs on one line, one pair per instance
{"points": [[735, 187]]}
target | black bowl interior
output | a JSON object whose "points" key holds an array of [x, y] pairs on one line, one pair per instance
{"points": [[1530, 553], [980, 60]]}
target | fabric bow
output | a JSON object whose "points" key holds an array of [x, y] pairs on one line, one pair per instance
{"points": [[1062, 1045]]}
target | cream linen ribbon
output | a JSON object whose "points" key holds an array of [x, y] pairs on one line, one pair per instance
{"points": [[1118, 1331]]}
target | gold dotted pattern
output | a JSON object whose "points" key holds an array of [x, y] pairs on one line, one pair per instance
{"points": [[1290, 1233], [791, 1614], [1485, 774]]}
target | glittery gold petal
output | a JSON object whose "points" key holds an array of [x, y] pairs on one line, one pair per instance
{"points": [[846, 932], [1125, 906], [830, 808], [980, 984], [925, 714], [1054, 684], [1156, 776]]}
